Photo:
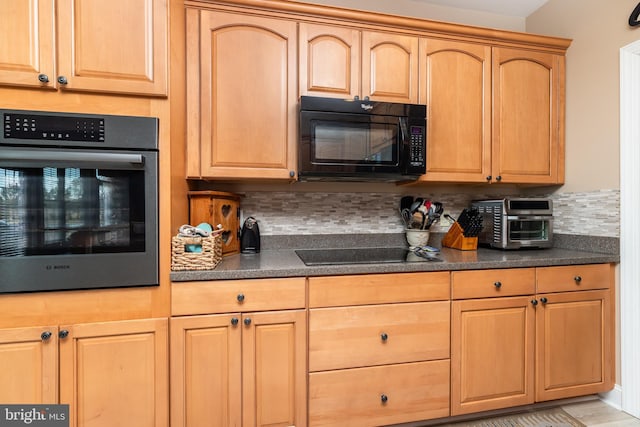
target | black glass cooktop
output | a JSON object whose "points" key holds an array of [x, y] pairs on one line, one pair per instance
{"points": [[361, 256]]}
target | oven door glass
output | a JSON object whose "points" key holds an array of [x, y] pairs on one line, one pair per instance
{"points": [[528, 229], [61, 210]]}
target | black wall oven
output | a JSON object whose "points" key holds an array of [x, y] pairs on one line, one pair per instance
{"points": [[78, 201]]}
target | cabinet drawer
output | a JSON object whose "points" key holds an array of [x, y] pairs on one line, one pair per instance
{"points": [[379, 395], [333, 291], [349, 337], [493, 283], [226, 296], [573, 278]]}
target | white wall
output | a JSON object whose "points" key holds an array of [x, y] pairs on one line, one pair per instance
{"points": [[598, 29]]}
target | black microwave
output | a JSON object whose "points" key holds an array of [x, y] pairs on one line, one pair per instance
{"points": [[361, 140]]}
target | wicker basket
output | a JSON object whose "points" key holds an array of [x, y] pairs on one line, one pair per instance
{"points": [[207, 259]]}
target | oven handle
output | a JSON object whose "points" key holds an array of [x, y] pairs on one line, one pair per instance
{"points": [[71, 156], [529, 217]]}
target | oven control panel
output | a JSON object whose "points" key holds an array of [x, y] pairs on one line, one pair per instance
{"points": [[59, 128]]}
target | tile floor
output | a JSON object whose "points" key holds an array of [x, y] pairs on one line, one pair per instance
{"points": [[598, 413]]}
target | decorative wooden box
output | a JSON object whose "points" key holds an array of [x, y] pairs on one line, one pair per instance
{"points": [[218, 207]]}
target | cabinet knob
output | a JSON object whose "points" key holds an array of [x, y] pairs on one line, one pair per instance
{"points": [[292, 174], [234, 321], [384, 336], [489, 177], [63, 334], [62, 80], [240, 297], [45, 335], [578, 279], [384, 398], [497, 284], [43, 78], [498, 178], [543, 300], [247, 321], [534, 302]]}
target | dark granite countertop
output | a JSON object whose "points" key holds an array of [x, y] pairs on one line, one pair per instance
{"points": [[283, 262]]}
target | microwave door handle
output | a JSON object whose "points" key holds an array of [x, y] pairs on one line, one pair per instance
{"points": [[42, 156], [403, 128]]}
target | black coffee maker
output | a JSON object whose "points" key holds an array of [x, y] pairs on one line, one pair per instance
{"points": [[250, 236]]}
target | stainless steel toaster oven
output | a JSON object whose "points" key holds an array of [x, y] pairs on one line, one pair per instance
{"points": [[514, 223]]}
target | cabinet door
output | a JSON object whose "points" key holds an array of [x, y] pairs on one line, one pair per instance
{"points": [[329, 61], [390, 67], [114, 372], [528, 102], [113, 46], [274, 369], [245, 105], [574, 344], [455, 83], [27, 43], [492, 348], [206, 371], [29, 357]]}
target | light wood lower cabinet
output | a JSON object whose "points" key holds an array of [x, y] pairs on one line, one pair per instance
{"points": [[109, 373], [243, 367], [539, 346], [378, 348]]}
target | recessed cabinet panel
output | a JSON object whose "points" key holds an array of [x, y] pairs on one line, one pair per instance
{"points": [[244, 102], [119, 45], [456, 86], [329, 61], [526, 102], [26, 42], [390, 67]]}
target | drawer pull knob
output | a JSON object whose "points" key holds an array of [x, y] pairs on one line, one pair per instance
{"points": [[240, 297], [384, 336], [578, 279], [43, 78], [63, 334], [247, 321], [534, 302], [234, 321], [543, 300], [384, 398], [497, 284], [45, 335]]}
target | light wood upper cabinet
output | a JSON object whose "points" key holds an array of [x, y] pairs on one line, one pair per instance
{"points": [[118, 46], [456, 86], [241, 96], [345, 62], [528, 117]]}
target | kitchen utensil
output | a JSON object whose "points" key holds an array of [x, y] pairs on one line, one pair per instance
{"points": [[406, 217], [406, 202]]}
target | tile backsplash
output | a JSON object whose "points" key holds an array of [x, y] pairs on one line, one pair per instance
{"points": [[295, 213]]}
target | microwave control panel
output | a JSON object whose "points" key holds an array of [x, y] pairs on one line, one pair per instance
{"points": [[417, 146], [49, 127]]}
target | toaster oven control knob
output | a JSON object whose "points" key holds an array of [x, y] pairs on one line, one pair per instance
{"points": [[63, 334], [62, 80], [43, 78], [498, 285], [534, 302], [234, 321], [45, 335], [543, 300], [240, 297], [384, 336], [247, 321], [578, 279]]}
